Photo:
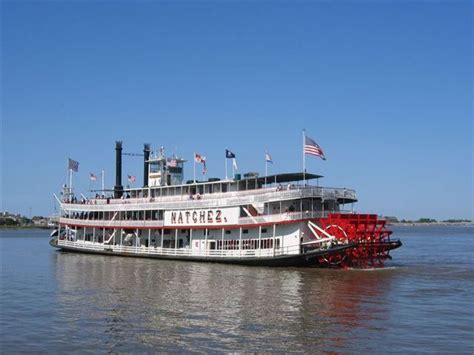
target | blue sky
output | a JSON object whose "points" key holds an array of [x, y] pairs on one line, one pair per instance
{"points": [[385, 88]]}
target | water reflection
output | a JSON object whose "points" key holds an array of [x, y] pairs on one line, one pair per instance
{"points": [[143, 304]]}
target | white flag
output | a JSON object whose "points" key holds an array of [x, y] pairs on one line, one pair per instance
{"points": [[234, 164]]}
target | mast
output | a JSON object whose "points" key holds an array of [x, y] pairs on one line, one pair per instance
{"points": [[103, 185], [226, 168], [194, 167], [266, 168], [304, 159]]}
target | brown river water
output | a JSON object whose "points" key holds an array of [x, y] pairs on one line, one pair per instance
{"points": [[423, 301]]}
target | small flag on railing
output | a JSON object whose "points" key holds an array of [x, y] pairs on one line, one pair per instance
{"points": [[132, 178], [268, 158], [92, 177], [73, 165], [312, 148]]}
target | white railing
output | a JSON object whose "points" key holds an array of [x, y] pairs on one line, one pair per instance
{"points": [[272, 218], [143, 250], [111, 224], [214, 200], [282, 217]]}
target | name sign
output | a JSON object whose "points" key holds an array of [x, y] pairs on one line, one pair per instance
{"points": [[202, 217]]}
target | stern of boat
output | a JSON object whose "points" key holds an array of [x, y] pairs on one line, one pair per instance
{"points": [[369, 235]]}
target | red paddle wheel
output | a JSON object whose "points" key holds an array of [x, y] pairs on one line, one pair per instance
{"points": [[370, 234]]}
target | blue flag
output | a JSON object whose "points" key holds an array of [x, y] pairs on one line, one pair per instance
{"points": [[73, 165], [229, 154]]}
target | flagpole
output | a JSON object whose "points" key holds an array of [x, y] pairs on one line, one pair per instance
{"points": [[304, 161], [226, 168], [266, 168], [70, 181], [67, 181], [67, 173], [103, 188], [194, 167]]}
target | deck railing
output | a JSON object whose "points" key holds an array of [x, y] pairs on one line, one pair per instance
{"points": [[144, 250], [213, 200], [244, 221]]}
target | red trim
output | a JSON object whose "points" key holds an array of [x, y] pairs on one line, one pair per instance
{"points": [[231, 226]]}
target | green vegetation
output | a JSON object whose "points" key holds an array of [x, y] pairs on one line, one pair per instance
{"points": [[17, 221], [8, 222], [431, 220], [426, 220], [420, 220], [457, 221]]}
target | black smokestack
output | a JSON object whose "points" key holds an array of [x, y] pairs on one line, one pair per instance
{"points": [[118, 189], [146, 157]]}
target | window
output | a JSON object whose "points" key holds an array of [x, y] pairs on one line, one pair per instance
{"points": [[174, 170], [245, 231], [228, 231], [264, 230]]}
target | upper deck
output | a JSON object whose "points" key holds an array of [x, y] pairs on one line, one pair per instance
{"points": [[256, 191]]}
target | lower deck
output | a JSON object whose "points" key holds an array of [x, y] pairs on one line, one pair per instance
{"points": [[239, 243], [258, 257], [185, 251]]}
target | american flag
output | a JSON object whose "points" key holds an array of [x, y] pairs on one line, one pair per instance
{"points": [[92, 177], [312, 148], [73, 165], [132, 178]]}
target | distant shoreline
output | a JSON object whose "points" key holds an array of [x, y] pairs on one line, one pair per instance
{"points": [[23, 227], [432, 224]]}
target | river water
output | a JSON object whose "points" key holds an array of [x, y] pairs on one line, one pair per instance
{"points": [[55, 301]]}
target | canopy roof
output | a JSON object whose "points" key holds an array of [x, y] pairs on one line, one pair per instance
{"points": [[287, 177]]}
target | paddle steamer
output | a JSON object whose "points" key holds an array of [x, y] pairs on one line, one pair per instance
{"points": [[277, 220]]}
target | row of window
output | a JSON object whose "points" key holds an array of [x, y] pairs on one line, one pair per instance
{"points": [[123, 215], [266, 243], [192, 189], [247, 244]]}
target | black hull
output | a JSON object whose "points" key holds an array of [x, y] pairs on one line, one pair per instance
{"points": [[308, 259]]}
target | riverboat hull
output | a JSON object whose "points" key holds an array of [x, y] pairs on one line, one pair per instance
{"points": [[310, 258]]}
